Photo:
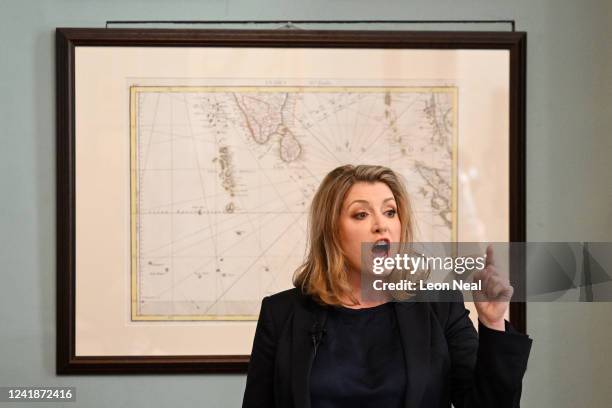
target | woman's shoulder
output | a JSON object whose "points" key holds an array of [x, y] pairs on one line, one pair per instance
{"points": [[285, 297], [281, 305], [286, 300]]}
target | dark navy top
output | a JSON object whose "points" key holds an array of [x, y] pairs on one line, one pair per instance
{"points": [[360, 361]]}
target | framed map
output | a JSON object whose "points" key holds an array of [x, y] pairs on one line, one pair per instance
{"points": [[187, 160], [216, 167]]}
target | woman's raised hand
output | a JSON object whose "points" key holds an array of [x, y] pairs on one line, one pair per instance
{"points": [[493, 299]]}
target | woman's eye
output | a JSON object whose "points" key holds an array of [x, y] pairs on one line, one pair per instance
{"points": [[391, 213], [360, 215]]}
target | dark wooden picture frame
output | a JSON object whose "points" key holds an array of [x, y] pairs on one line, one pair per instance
{"points": [[67, 39]]}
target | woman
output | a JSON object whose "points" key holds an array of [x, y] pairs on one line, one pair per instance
{"points": [[320, 345]]}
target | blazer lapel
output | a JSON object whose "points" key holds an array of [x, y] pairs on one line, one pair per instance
{"points": [[414, 327], [306, 314]]}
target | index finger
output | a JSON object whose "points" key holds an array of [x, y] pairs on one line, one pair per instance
{"points": [[489, 256]]}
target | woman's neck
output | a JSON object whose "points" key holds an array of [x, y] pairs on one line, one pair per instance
{"points": [[354, 278]]}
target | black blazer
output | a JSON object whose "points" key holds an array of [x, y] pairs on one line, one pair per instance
{"points": [[446, 360]]}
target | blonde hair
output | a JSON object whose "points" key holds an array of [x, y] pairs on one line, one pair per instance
{"points": [[323, 274]]}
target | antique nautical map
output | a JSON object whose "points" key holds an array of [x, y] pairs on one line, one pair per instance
{"points": [[222, 178]]}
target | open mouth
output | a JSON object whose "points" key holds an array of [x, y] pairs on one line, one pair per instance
{"points": [[381, 248]]}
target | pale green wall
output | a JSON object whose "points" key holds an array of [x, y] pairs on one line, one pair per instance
{"points": [[569, 192]]}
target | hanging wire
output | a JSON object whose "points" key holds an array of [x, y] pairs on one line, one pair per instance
{"points": [[292, 24]]}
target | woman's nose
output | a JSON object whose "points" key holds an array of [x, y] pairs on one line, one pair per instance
{"points": [[380, 229], [380, 224]]}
